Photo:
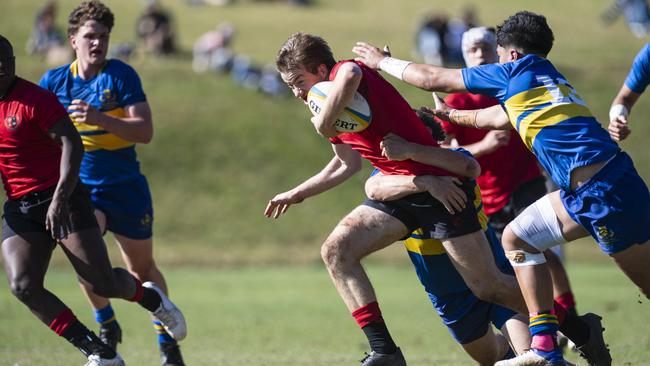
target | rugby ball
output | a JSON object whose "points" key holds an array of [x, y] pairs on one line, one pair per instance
{"points": [[355, 118]]}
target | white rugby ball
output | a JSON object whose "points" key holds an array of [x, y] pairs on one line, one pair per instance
{"points": [[356, 116]]}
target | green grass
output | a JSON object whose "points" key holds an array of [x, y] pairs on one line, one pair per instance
{"points": [[292, 316]]}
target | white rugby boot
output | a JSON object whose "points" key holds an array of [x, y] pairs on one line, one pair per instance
{"points": [[96, 360], [530, 358], [169, 315]]}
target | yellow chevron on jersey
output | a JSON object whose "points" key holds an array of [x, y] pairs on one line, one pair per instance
{"points": [[95, 138], [420, 243], [534, 109], [547, 112], [478, 203]]}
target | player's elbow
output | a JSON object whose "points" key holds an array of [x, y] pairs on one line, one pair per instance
{"points": [[145, 136], [473, 169], [325, 130], [353, 166]]}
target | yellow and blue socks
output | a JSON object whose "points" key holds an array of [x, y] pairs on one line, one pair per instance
{"points": [[163, 336], [105, 315], [543, 327]]}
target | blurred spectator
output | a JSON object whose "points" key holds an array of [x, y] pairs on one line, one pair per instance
{"points": [[454, 35], [438, 39], [154, 29], [271, 83], [212, 50], [429, 39], [122, 51], [46, 40], [636, 12]]}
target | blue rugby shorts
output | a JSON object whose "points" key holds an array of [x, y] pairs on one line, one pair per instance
{"points": [[127, 206], [614, 205]]}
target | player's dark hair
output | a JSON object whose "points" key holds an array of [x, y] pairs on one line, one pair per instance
{"points": [[90, 10], [528, 32], [5, 41], [306, 50], [429, 120]]}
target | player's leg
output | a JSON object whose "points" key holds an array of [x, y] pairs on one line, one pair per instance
{"points": [[633, 261], [515, 329], [109, 329], [541, 226], [624, 233], [562, 292], [523, 197], [363, 231], [26, 257], [488, 349], [131, 221], [138, 257], [473, 259], [469, 319], [87, 252]]}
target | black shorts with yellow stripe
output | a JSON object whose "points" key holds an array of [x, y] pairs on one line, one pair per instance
{"points": [[421, 210]]}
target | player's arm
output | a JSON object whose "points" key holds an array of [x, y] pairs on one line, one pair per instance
{"points": [[427, 77], [346, 82], [396, 148], [618, 113], [57, 219], [343, 165], [491, 118], [392, 187], [491, 142], [135, 126]]}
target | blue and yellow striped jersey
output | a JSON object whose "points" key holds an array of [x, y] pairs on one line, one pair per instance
{"points": [[108, 158], [547, 112]]}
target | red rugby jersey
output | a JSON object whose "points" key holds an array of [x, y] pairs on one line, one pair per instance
{"points": [[503, 170], [390, 113], [29, 158]]}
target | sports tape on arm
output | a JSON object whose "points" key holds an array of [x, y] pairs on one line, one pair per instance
{"points": [[618, 110], [394, 66]]}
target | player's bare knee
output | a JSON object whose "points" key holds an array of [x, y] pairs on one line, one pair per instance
{"points": [[105, 288], [333, 252], [143, 271], [108, 284], [24, 290]]}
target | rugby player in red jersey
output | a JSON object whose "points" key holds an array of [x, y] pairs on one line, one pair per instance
{"points": [[40, 155], [305, 60]]}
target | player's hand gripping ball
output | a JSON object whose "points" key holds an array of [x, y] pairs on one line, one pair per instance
{"points": [[355, 118]]}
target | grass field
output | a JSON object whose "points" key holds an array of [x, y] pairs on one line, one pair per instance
{"points": [[292, 316], [254, 290]]}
